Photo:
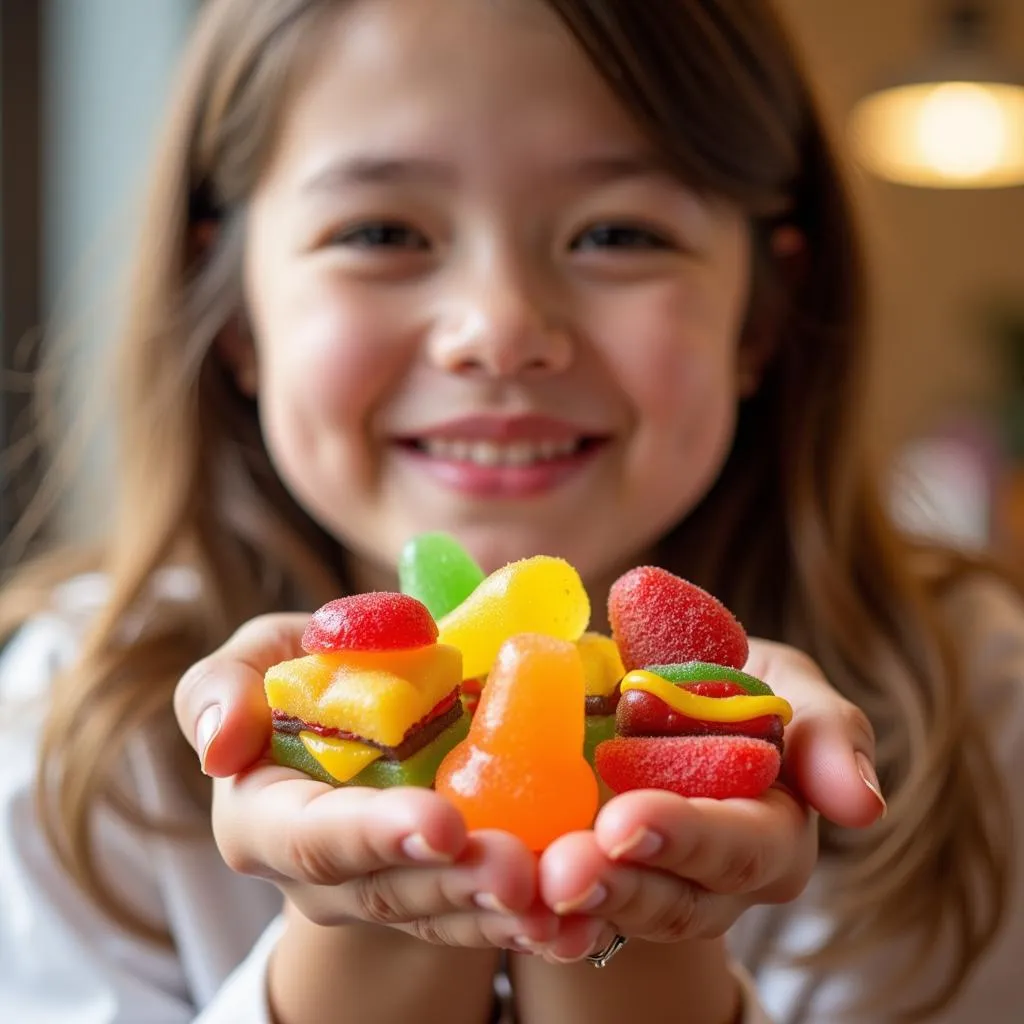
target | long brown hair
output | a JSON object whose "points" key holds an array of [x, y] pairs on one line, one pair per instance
{"points": [[793, 535]]}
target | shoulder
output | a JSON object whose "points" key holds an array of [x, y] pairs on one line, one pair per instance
{"points": [[69, 953], [49, 642]]}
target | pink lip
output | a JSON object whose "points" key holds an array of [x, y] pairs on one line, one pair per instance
{"points": [[505, 429], [473, 480]]}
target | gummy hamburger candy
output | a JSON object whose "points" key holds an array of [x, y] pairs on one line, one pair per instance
{"points": [[435, 569], [688, 719], [536, 595], [375, 700], [471, 690], [521, 768]]}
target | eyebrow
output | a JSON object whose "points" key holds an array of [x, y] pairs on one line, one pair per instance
{"points": [[370, 170], [386, 170]]}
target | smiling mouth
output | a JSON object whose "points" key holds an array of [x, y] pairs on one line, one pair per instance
{"points": [[498, 454]]}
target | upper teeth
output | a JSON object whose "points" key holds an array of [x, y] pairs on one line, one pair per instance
{"points": [[490, 453]]}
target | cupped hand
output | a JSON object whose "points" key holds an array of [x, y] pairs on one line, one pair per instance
{"points": [[660, 867], [397, 857]]}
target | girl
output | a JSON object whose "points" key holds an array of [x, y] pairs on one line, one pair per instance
{"points": [[569, 276]]}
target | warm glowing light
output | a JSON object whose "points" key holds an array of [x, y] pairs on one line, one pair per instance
{"points": [[944, 134], [961, 130]]}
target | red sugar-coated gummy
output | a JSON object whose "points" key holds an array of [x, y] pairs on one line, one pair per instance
{"points": [[369, 622], [719, 767], [642, 714], [659, 619]]}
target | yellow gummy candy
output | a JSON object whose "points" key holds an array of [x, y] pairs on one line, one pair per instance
{"points": [[536, 595], [373, 694], [344, 759], [602, 663]]}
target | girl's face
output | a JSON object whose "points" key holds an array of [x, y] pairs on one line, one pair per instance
{"points": [[478, 304]]}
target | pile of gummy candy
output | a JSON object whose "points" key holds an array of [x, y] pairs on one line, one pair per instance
{"points": [[492, 690]]}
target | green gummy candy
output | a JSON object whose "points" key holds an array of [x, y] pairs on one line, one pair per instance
{"points": [[435, 569], [288, 750], [704, 672], [597, 729], [418, 770]]}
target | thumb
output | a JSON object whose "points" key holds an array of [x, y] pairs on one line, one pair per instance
{"points": [[829, 745], [830, 762], [220, 702]]}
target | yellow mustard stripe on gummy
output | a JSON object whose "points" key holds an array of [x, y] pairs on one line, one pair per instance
{"points": [[343, 759], [707, 709]]}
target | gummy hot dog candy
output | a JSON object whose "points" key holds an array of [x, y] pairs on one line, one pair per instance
{"points": [[521, 768], [719, 736], [375, 701], [536, 595], [435, 569], [684, 722]]}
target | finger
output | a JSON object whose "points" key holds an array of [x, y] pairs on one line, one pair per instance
{"points": [[570, 874], [220, 701], [476, 931], [577, 938], [570, 882], [724, 846], [495, 873], [275, 823], [830, 745], [633, 901], [659, 907]]}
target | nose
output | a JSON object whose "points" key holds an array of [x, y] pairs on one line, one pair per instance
{"points": [[497, 328]]}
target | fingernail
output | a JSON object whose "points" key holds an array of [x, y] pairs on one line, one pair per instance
{"points": [[207, 728], [416, 847], [522, 942], [870, 779], [554, 958], [641, 844], [589, 900], [488, 901]]}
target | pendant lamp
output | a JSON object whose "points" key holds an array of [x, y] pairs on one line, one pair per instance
{"points": [[955, 121]]}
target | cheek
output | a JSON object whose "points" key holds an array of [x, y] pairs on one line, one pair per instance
{"points": [[678, 373], [328, 352], [328, 357]]}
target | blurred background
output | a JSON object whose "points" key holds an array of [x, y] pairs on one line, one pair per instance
{"points": [[82, 84]]}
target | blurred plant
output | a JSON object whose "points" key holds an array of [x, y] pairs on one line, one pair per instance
{"points": [[1006, 330]]}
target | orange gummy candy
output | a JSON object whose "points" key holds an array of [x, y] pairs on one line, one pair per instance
{"points": [[521, 768]]}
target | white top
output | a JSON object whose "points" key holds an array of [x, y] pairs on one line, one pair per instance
{"points": [[61, 961]]}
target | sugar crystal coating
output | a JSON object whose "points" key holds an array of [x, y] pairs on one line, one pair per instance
{"points": [[718, 767], [369, 622], [658, 618]]}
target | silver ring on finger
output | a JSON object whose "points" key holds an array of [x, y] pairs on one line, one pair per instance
{"points": [[603, 958]]}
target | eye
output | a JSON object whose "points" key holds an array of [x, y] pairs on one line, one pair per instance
{"points": [[619, 236], [381, 235]]}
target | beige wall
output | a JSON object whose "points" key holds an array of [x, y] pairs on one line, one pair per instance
{"points": [[936, 255]]}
